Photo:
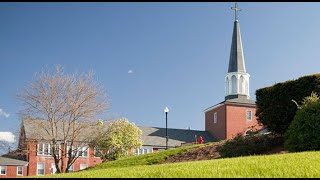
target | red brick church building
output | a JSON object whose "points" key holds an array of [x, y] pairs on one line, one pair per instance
{"points": [[236, 114]]}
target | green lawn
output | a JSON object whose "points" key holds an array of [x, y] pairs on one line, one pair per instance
{"points": [[147, 159], [304, 164]]}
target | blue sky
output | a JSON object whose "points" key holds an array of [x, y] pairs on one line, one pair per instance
{"points": [[152, 55]]}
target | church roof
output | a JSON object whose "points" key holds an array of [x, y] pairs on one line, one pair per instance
{"points": [[155, 136], [240, 101], [236, 61], [236, 101]]}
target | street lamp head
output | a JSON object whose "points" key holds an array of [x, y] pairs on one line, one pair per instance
{"points": [[166, 110]]}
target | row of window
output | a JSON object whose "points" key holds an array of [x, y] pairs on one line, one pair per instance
{"points": [[41, 167], [81, 152], [248, 116], [142, 151], [3, 170], [45, 149]]}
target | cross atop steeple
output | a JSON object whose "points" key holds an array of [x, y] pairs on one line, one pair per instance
{"points": [[236, 9]]}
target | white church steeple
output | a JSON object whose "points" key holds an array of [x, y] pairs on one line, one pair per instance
{"points": [[237, 79]]}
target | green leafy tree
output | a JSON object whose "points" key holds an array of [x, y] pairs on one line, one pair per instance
{"points": [[303, 133], [275, 109], [118, 138]]}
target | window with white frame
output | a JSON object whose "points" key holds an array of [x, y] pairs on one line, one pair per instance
{"points": [[73, 151], [68, 149], [83, 166], [97, 152], [53, 168], [248, 132], [249, 115], [43, 149], [83, 151], [145, 151], [215, 117], [19, 170], [56, 150], [3, 170], [142, 151], [71, 168], [78, 151], [40, 168], [46, 149]]}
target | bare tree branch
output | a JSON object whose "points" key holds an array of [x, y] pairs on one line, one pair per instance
{"points": [[68, 104]]}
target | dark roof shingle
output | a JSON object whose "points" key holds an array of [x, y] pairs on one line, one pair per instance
{"points": [[155, 136], [36, 129], [8, 161]]}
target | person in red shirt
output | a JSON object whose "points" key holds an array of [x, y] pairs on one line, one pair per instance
{"points": [[200, 140]]}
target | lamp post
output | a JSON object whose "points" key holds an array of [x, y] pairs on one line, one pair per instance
{"points": [[166, 110]]}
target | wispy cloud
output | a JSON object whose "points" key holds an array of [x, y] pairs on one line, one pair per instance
{"points": [[7, 136], [2, 113], [130, 71]]}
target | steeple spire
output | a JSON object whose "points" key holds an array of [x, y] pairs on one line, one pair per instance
{"points": [[237, 79], [236, 61]]}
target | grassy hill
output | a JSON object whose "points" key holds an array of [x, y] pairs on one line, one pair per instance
{"points": [[303, 164]]}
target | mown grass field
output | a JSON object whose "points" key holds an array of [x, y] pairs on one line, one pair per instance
{"points": [[146, 159], [303, 164]]}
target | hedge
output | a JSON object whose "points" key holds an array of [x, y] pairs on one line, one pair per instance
{"points": [[303, 133], [275, 108]]}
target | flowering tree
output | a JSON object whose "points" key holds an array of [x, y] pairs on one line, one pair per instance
{"points": [[118, 138]]}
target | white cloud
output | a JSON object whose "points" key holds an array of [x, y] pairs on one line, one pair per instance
{"points": [[130, 71], [7, 136], [2, 113]]}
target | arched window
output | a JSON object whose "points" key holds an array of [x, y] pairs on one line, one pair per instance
{"points": [[234, 84], [227, 86], [248, 132], [241, 85]]}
